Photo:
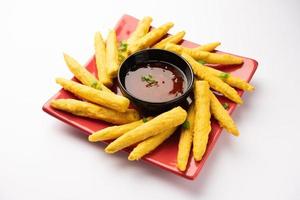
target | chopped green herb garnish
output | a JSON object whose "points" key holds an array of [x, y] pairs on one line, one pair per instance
{"points": [[149, 79], [96, 85], [186, 124], [202, 62], [123, 46], [121, 57], [224, 75], [145, 119], [225, 105]]}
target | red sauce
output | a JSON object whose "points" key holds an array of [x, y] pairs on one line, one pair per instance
{"points": [[155, 81]]}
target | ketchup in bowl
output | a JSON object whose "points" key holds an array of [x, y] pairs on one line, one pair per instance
{"points": [[155, 81]]}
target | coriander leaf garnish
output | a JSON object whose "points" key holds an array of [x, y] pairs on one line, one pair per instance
{"points": [[96, 85], [149, 79], [225, 105], [123, 46], [202, 62], [186, 124], [145, 119], [224, 75], [121, 57]]}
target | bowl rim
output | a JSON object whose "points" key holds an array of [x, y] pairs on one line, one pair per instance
{"points": [[181, 97]]}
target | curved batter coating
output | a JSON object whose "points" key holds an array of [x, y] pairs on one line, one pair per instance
{"points": [[212, 58], [222, 115], [231, 80], [150, 144], [85, 109], [150, 38], [112, 54], [162, 122], [215, 82], [207, 47], [83, 75], [171, 39], [100, 56], [141, 30], [186, 139], [114, 132], [202, 126], [106, 99]]}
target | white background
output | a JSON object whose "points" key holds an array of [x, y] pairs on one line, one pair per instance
{"points": [[42, 158]]}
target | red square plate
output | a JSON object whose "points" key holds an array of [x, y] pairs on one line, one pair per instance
{"points": [[165, 155]]}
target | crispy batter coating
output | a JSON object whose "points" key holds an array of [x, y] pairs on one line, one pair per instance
{"points": [[150, 144], [150, 38], [100, 56], [114, 132], [223, 117], [171, 39], [186, 139], [215, 82], [112, 54], [215, 58], [212, 58], [230, 79], [141, 30], [83, 75], [202, 125], [207, 47], [85, 109], [162, 122], [106, 99]]}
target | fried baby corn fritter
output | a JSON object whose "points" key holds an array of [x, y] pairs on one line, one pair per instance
{"points": [[150, 144], [207, 47], [83, 75], [114, 132], [171, 39], [85, 109], [202, 125], [186, 140], [106, 99], [222, 115], [100, 56], [162, 122], [150, 38], [229, 79], [215, 82], [141, 30], [212, 58], [112, 54]]}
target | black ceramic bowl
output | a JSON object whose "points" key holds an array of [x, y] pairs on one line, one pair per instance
{"points": [[147, 56]]}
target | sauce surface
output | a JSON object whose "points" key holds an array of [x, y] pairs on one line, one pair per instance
{"points": [[155, 81]]}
